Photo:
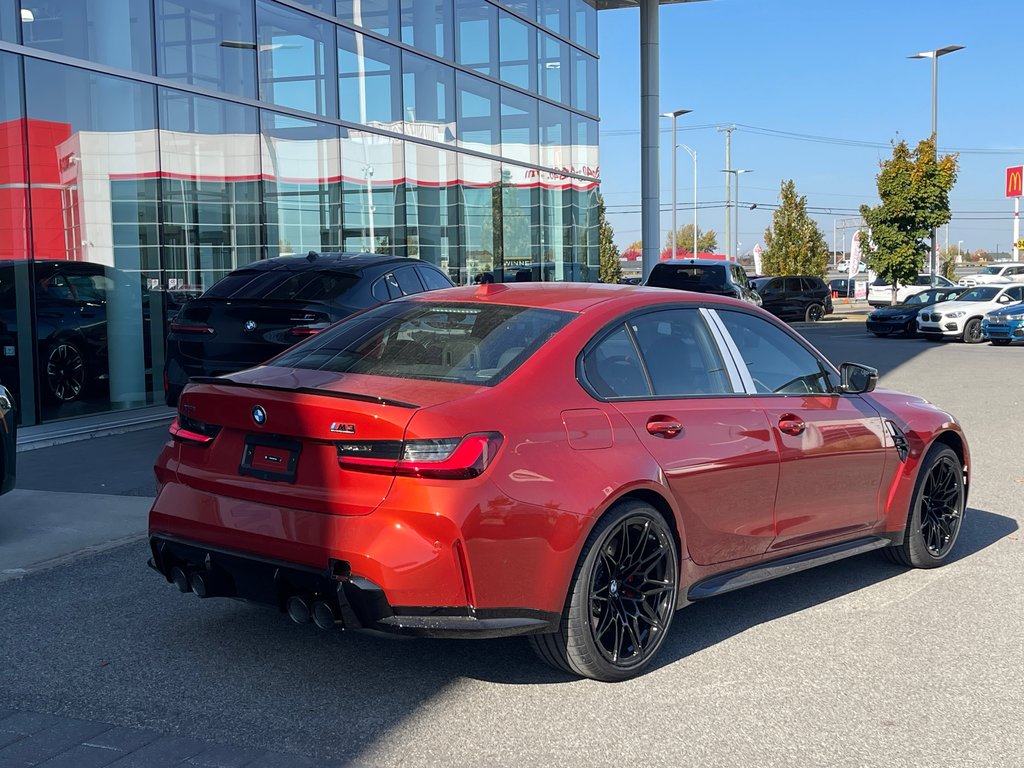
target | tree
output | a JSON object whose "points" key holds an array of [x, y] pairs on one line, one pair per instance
{"points": [[793, 243], [914, 189], [610, 269], [707, 242]]}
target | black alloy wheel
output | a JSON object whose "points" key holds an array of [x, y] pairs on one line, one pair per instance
{"points": [[910, 329], [936, 513], [972, 331], [65, 372], [622, 599], [814, 313]]}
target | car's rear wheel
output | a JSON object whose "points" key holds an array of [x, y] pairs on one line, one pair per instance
{"points": [[622, 598], [936, 512], [1000, 342], [65, 373], [814, 313], [972, 331]]}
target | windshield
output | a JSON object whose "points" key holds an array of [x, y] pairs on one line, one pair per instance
{"points": [[687, 277], [461, 343], [989, 271], [924, 297], [986, 293]]}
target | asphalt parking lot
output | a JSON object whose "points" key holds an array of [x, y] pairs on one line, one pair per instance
{"points": [[856, 663]]}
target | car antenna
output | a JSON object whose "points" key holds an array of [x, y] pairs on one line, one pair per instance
{"points": [[312, 256]]}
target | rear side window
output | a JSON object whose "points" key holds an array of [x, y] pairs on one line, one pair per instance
{"points": [[433, 279], [688, 277], [408, 281], [793, 285], [460, 343], [812, 284], [613, 367]]}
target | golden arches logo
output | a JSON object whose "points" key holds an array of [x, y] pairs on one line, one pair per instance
{"points": [[1015, 181]]}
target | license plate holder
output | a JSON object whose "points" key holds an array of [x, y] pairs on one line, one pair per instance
{"points": [[268, 457]]}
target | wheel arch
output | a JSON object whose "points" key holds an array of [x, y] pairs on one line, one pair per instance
{"points": [[661, 504], [954, 440]]}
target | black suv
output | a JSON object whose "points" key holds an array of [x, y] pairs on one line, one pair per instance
{"points": [[795, 297], [721, 278], [261, 309]]}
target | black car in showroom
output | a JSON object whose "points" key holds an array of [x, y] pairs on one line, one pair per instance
{"points": [[795, 297], [259, 310], [901, 319], [8, 441]]}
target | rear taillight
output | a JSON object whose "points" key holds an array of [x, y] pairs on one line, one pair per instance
{"points": [[449, 458], [190, 327], [308, 330], [192, 431]]}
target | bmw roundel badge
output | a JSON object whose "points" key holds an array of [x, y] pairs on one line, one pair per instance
{"points": [[250, 325], [259, 415]]}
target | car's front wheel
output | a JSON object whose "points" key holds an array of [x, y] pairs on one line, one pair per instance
{"points": [[622, 598], [65, 372], [936, 511], [972, 331]]}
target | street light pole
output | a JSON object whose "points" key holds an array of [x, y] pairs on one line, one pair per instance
{"points": [[934, 56], [693, 154], [674, 115], [736, 228]]}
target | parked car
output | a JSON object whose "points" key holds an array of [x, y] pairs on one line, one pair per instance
{"points": [[961, 319], [8, 441], [844, 266], [880, 292], [1002, 326], [261, 309], [1012, 272], [902, 318], [843, 287], [795, 297], [568, 462], [719, 278]]}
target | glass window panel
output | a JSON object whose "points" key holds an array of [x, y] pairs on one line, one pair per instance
{"points": [[584, 81], [9, 21], [479, 111], [429, 97], [372, 193], [92, 149], [210, 163], [520, 219], [480, 218], [556, 230], [554, 14], [117, 33], [584, 23], [209, 43], [553, 68], [369, 81], [297, 60], [584, 147], [376, 15], [527, 8], [13, 172], [477, 36], [324, 6], [519, 127], [429, 26], [518, 52], [432, 207], [777, 361], [301, 171], [555, 147]]}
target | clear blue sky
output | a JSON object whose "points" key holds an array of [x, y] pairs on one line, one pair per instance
{"points": [[825, 68]]}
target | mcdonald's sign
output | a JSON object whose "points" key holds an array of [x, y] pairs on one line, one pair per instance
{"points": [[1015, 181]]}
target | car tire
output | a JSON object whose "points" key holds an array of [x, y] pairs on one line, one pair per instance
{"points": [[936, 511], [1000, 342], [814, 313], [972, 331], [910, 330], [65, 372], [616, 616]]}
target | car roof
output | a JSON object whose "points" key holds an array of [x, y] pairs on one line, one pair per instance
{"points": [[571, 297], [350, 262], [698, 262]]}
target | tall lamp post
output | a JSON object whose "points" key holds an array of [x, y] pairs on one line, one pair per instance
{"points": [[674, 115], [934, 56], [693, 153], [736, 227]]}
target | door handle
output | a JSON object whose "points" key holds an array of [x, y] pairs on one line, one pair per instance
{"points": [[791, 424], [659, 426]]}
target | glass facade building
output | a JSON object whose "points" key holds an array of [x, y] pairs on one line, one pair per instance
{"points": [[148, 147]]}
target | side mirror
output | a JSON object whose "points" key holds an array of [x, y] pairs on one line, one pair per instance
{"points": [[856, 379]]}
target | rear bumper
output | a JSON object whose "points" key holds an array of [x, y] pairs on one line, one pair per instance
{"points": [[357, 602]]}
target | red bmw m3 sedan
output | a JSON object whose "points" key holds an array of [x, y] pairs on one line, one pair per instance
{"points": [[569, 462]]}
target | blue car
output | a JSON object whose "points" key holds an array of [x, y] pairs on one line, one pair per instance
{"points": [[1001, 326]]}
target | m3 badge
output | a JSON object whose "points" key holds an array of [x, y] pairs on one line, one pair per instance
{"points": [[339, 428]]}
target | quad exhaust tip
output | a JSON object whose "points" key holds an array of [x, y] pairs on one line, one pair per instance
{"points": [[198, 583], [180, 580], [323, 615], [299, 610]]}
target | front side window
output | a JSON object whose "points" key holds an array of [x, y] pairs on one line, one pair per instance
{"points": [[680, 354], [458, 343], [777, 363], [984, 293]]}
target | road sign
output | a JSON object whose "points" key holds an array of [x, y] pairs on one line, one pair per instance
{"points": [[1019, 245], [1015, 181]]}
